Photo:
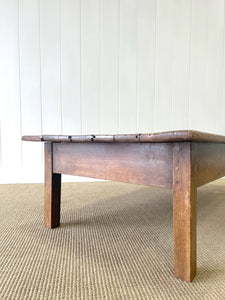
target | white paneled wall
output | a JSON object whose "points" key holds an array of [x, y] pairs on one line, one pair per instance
{"points": [[106, 66]]}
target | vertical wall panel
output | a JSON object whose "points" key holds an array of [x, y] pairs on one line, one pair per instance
{"points": [[70, 66], [10, 85], [50, 65], [181, 61], [146, 66], [0, 137], [30, 78], [106, 66], [109, 65], [198, 65], [223, 79], [128, 65], [164, 65], [90, 67], [214, 65]]}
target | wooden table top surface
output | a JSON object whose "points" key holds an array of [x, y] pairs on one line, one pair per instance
{"points": [[160, 137]]}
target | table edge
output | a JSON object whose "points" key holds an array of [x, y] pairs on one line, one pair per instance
{"points": [[158, 137]]}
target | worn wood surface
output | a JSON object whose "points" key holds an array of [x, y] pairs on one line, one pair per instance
{"points": [[184, 212], [52, 190], [170, 136], [148, 164], [208, 162], [182, 160]]}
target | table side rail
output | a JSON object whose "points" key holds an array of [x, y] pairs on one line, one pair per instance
{"points": [[139, 163]]}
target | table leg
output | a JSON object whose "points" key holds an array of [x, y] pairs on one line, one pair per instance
{"points": [[52, 190], [184, 212]]}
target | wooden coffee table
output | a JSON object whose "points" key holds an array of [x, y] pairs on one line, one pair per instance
{"points": [[181, 160]]}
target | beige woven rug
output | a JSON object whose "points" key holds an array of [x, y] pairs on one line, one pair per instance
{"points": [[115, 242]]}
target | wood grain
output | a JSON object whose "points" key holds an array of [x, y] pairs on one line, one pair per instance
{"points": [[52, 191], [184, 212], [147, 164], [208, 162], [182, 160], [159, 137]]}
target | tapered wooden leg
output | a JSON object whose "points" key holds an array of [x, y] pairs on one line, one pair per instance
{"points": [[184, 212], [52, 190]]}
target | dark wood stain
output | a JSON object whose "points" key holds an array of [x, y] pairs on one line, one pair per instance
{"points": [[159, 137], [52, 190]]}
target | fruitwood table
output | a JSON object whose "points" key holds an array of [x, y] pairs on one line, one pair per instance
{"points": [[181, 160]]}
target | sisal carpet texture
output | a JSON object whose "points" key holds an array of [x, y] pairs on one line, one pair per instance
{"points": [[115, 242]]}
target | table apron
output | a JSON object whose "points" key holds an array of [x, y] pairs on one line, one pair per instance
{"points": [[139, 163]]}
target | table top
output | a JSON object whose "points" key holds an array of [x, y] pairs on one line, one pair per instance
{"points": [[160, 137]]}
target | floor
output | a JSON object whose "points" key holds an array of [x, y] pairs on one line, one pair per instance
{"points": [[115, 242]]}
